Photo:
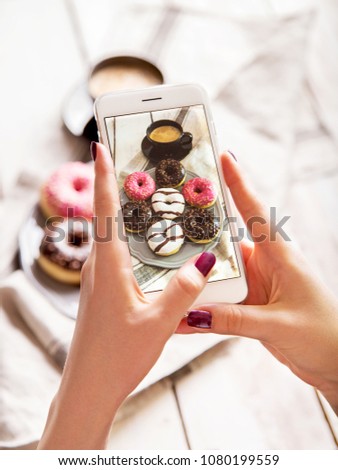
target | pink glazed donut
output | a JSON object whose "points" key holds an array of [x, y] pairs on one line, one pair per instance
{"points": [[69, 191], [199, 192], [139, 186]]}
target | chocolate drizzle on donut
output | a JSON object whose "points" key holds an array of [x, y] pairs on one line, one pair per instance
{"points": [[169, 173], [200, 224], [164, 234], [162, 213], [168, 203], [72, 249], [167, 240], [166, 192]]}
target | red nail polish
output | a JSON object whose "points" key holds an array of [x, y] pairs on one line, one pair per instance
{"points": [[93, 148], [199, 319], [205, 263]]}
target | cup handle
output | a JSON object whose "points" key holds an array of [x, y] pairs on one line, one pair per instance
{"points": [[186, 139]]}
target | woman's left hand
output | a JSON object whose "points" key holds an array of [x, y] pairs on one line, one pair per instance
{"points": [[119, 334]]}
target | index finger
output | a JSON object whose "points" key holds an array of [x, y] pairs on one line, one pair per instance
{"points": [[109, 228], [254, 213]]}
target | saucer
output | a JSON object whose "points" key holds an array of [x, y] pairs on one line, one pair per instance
{"points": [[78, 114], [156, 155]]}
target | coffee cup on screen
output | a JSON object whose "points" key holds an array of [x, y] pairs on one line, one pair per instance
{"points": [[168, 135]]}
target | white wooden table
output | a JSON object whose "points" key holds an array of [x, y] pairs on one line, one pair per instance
{"points": [[236, 395]]}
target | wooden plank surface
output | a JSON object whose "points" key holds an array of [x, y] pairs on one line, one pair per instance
{"points": [[238, 396], [151, 420]]}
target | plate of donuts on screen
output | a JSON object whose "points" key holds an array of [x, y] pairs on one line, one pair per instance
{"points": [[170, 214]]}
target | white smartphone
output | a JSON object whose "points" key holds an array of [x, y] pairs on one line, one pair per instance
{"points": [[173, 196]]}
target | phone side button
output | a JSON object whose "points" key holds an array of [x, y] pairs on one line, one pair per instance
{"points": [[214, 127]]}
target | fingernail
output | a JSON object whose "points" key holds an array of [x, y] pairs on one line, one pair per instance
{"points": [[93, 148], [233, 156], [199, 319], [205, 263]]}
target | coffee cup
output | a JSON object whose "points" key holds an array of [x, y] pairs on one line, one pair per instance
{"points": [[166, 139], [108, 75], [121, 73]]}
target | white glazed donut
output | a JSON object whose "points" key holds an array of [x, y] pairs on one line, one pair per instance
{"points": [[168, 203], [165, 237]]}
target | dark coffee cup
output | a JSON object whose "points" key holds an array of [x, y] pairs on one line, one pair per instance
{"points": [[166, 139]]}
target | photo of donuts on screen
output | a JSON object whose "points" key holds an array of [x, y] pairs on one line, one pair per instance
{"points": [[171, 197]]}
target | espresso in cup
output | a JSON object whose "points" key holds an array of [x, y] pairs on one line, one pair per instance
{"points": [[166, 139], [165, 134]]}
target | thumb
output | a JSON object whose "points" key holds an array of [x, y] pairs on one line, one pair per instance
{"points": [[184, 288], [250, 321]]}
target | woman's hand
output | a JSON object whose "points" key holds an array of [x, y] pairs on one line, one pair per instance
{"points": [[119, 334], [288, 309]]}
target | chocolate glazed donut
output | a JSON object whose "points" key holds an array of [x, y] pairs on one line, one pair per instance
{"points": [[200, 225], [169, 173], [136, 216]]}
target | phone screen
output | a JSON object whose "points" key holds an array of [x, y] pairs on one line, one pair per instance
{"points": [[171, 194]]}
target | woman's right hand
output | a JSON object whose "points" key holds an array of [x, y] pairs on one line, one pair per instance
{"points": [[288, 308]]}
